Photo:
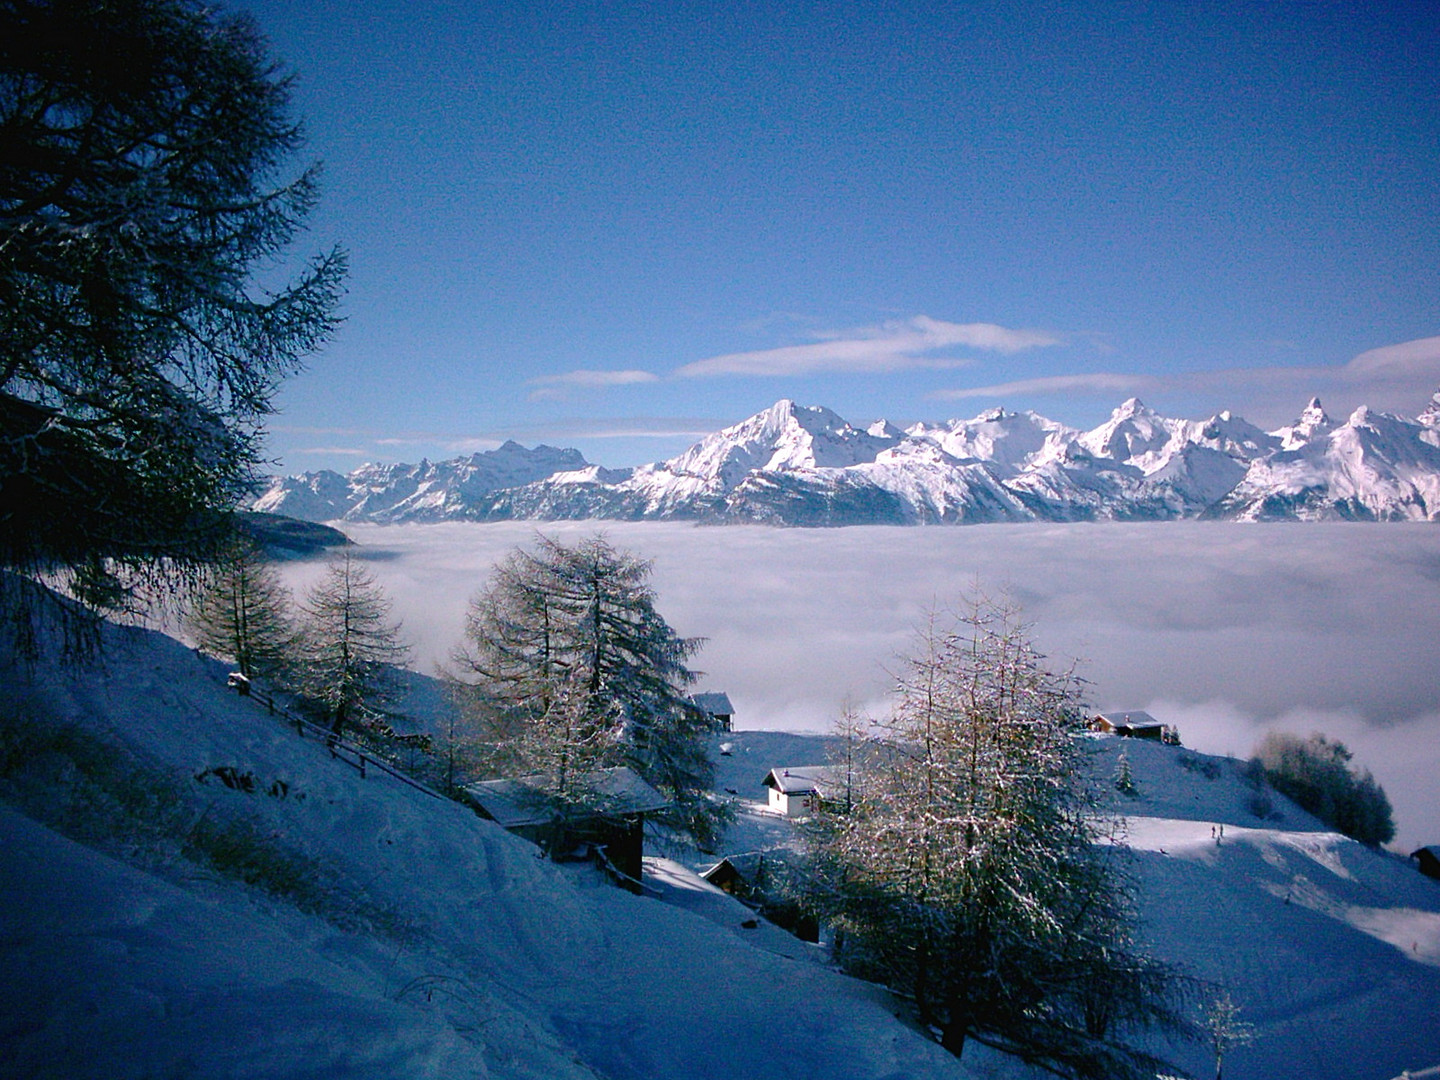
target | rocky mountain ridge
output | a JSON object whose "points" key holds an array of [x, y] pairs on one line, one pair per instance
{"points": [[801, 465]]}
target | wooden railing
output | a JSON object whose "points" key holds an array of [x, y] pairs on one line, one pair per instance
{"points": [[357, 757]]}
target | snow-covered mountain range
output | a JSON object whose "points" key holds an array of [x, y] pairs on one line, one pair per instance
{"points": [[807, 466]]}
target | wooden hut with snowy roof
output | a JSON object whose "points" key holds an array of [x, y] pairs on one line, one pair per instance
{"points": [[1134, 724], [763, 880], [603, 817], [716, 705]]}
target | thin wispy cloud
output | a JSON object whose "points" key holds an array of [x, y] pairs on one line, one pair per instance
{"points": [[686, 431], [1097, 382], [346, 451], [556, 387], [891, 346], [596, 378], [1398, 378]]}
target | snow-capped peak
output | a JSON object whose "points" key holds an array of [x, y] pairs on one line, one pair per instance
{"points": [[784, 437], [1431, 416], [1131, 408], [1132, 431], [1313, 422], [998, 435], [805, 465]]}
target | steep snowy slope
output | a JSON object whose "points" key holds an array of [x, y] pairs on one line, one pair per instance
{"points": [[436, 945], [1332, 949]]}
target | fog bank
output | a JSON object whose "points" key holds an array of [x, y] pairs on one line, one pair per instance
{"points": [[1227, 630]]}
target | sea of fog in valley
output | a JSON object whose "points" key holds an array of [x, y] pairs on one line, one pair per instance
{"points": [[1225, 630]]}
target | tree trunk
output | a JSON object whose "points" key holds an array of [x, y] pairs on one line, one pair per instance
{"points": [[957, 1023], [952, 1037]]}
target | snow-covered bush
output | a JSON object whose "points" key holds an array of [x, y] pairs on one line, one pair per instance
{"points": [[1316, 773]]}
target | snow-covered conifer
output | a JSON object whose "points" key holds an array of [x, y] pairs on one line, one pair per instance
{"points": [[575, 668], [965, 872], [348, 642], [243, 613], [1125, 776]]}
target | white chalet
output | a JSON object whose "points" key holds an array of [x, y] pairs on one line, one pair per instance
{"points": [[798, 790]]}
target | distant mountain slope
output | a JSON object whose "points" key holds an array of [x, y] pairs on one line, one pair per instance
{"points": [[286, 537], [429, 491], [807, 466]]}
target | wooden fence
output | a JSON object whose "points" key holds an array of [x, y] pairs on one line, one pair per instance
{"points": [[357, 757]]}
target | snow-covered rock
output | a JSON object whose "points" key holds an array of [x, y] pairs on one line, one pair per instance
{"points": [[1374, 467], [1313, 422]]}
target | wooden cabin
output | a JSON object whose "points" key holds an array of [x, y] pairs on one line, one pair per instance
{"points": [[1135, 724], [605, 819], [763, 880], [717, 706]]}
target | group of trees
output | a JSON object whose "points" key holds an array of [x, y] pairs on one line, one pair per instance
{"points": [[963, 870], [1316, 773], [336, 652], [566, 668]]}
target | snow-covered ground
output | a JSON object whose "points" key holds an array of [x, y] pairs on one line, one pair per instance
{"points": [[470, 956], [443, 947]]}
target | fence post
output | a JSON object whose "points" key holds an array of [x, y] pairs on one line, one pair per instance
{"points": [[362, 766]]}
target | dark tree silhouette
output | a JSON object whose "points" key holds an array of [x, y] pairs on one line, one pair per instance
{"points": [[141, 146]]}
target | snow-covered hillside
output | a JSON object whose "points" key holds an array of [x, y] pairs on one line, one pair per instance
{"points": [[1331, 949], [440, 946], [805, 465]]}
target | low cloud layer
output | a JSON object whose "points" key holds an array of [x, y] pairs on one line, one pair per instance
{"points": [[1227, 630]]}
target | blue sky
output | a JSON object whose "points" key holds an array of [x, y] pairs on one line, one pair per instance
{"points": [[620, 226]]}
